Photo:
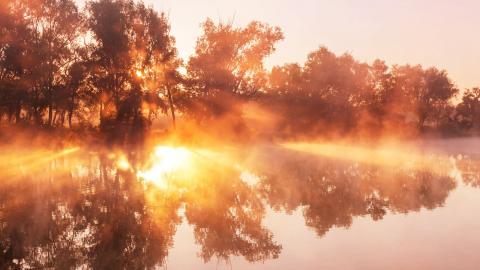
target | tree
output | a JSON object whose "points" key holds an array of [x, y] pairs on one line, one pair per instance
{"points": [[15, 56], [77, 74], [324, 95], [56, 25], [133, 59], [425, 92], [228, 62], [286, 80], [377, 97], [468, 111], [339, 83]]}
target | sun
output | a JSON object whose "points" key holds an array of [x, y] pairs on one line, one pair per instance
{"points": [[139, 74], [122, 163], [166, 161]]}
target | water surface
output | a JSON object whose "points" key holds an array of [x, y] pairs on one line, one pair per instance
{"points": [[265, 207]]}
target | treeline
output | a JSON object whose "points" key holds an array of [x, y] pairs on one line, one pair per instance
{"points": [[342, 95], [113, 65]]}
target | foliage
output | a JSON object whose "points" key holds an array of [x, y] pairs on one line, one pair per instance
{"points": [[114, 66]]}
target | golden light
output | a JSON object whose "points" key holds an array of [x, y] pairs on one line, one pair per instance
{"points": [[249, 178], [122, 163], [166, 161], [10, 161], [139, 73], [69, 151]]}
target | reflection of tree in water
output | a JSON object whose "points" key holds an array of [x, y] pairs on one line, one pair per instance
{"points": [[93, 216], [95, 219], [331, 192], [226, 215], [469, 168], [129, 234]]}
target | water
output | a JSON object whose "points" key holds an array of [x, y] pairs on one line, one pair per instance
{"points": [[264, 207]]}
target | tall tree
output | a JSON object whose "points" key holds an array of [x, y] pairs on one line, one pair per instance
{"points": [[56, 25], [468, 111], [229, 61], [423, 92], [286, 79], [133, 58], [323, 95], [15, 55]]}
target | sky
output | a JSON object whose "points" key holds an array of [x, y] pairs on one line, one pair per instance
{"points": [[441, 33]]}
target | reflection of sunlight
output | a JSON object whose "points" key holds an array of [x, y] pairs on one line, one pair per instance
{"points": [[249, 178], [455, 172], [122, 163], [31, 160], [165, 161], [68, 151]]}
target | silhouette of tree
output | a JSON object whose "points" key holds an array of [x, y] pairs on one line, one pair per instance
{"points": [[468, 111], [426, 92], [228, 62], [56, 25], [286, 80], [15, 55], [133, 60], [337, 94], [323, 95], [114, 65]]}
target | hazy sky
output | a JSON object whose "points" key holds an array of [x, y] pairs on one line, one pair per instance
{"points": [[443, 33]]}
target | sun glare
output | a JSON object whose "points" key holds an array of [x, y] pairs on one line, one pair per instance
{"points": [[122, 163], [166, 161], [139, 73]]}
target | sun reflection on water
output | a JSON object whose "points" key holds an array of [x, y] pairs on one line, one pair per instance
{"points": [[166, 161]]}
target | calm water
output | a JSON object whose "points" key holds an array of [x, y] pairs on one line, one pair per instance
{"points": [[268, 207]]}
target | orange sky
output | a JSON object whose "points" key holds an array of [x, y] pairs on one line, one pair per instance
{"points": [[443, 33]]}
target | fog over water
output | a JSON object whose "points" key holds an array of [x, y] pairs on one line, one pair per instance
{"points": [[261, 207]]}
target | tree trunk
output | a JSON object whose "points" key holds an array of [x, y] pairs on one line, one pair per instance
{"points": [[70, 113], [70, 109], [54, 119], [17, 114], [101, 113], [172, 109], [50, 115], [62, 118], [421, 123]]}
